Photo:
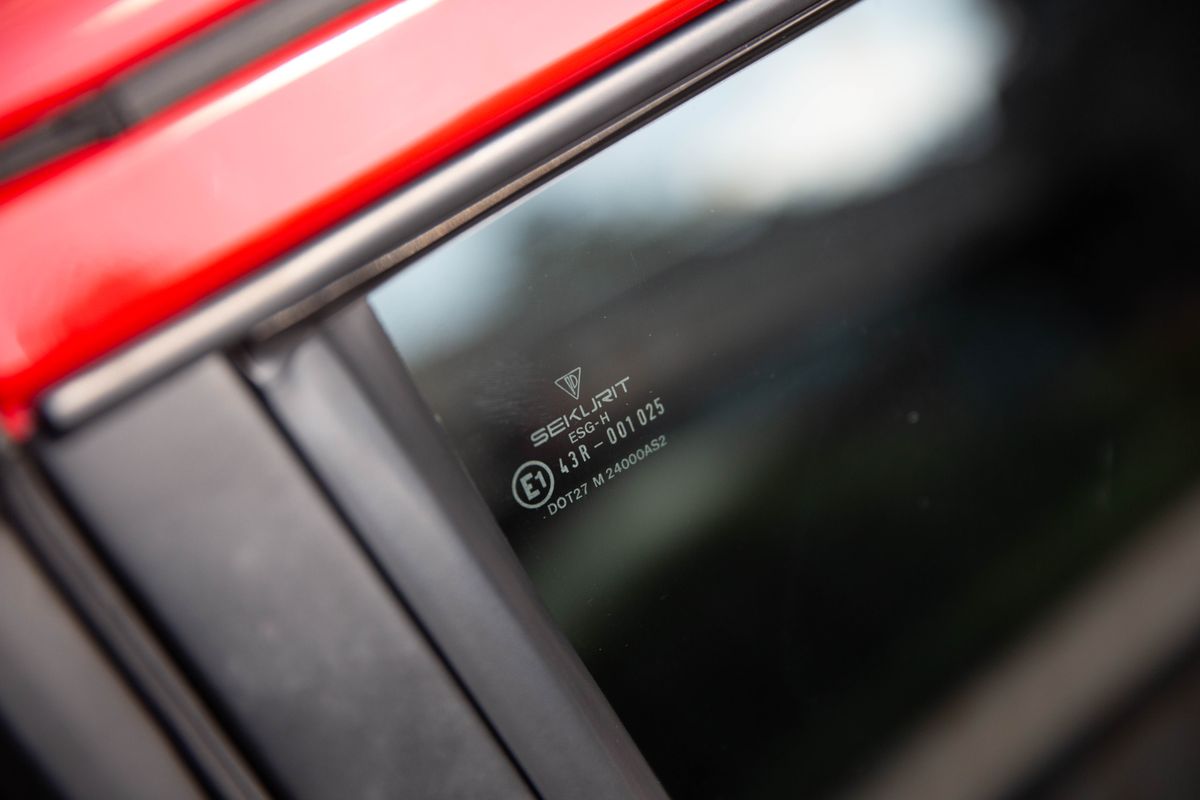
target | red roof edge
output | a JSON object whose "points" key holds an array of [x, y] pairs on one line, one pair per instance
{"points": [[102, 249]]}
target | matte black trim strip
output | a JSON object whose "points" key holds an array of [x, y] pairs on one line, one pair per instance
{"points": [[248, 573], [360, 252], [54, 678], [85, 122], [132, 98], [100, 601]]}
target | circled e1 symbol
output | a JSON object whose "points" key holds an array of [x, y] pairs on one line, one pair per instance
{"points": [[532, 484]]}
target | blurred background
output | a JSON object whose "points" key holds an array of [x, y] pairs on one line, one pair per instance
{"points": [[919, 295]]}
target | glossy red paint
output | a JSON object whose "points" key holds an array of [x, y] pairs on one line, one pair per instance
{"points": [[56, 50], [147, 225]]}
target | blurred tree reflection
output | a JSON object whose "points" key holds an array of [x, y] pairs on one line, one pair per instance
{"points": [[901, 428]]}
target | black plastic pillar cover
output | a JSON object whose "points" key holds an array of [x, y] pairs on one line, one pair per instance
{"points": [[64, 702], [347, 401], [217, 528]]}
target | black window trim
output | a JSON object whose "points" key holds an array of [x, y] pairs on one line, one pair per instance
{"points": [[355, 416]]}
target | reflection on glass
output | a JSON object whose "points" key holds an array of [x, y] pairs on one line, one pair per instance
{"points": [[804, 402]]}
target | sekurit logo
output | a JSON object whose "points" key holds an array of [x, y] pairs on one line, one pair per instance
{"points": [[580, 412], [569, 383]]}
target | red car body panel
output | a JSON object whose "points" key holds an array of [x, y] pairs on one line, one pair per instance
{"points": [[104, 246], [56, 50]]}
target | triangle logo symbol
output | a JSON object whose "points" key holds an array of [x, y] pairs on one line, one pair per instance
{"points": [[569, 383]]}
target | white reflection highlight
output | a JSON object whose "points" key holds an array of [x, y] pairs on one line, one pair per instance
{"points": [[304, 64], [115, 13]]}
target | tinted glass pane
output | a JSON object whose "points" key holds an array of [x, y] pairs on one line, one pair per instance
{"points": [[803, 403]]}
